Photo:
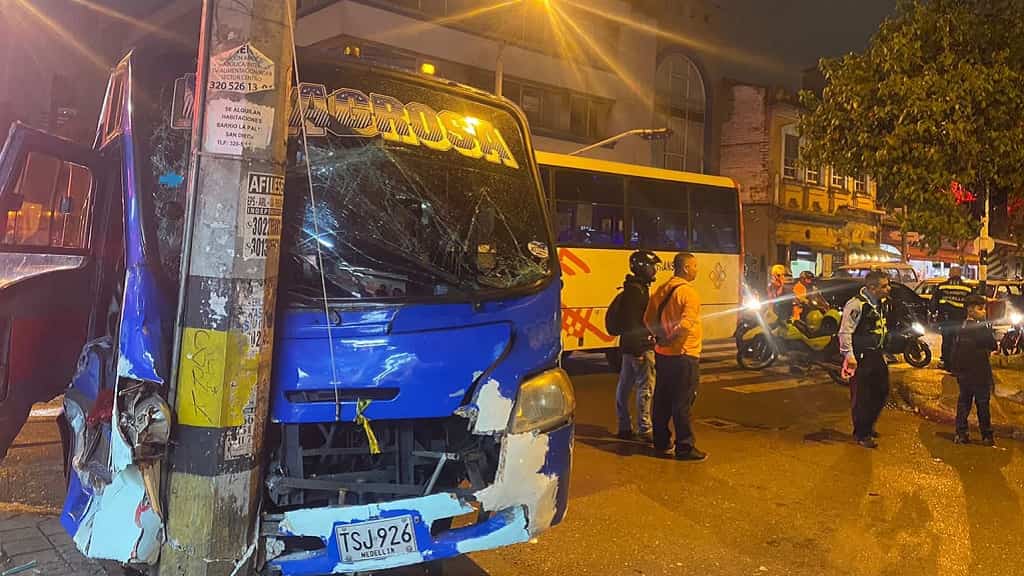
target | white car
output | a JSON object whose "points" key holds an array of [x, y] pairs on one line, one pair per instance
{"points": [[897, 271]]}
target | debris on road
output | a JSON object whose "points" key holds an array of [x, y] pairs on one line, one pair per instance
{"points": [[19, 569]]}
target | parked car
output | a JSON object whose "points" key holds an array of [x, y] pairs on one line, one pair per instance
{"points": [[898, 272], [1004, 296]]}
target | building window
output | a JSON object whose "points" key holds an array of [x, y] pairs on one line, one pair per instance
{"points": [[791, 156], [812, 175], [680, 106], [558, 112], [588, 117], [838, 180], [860, 185]]}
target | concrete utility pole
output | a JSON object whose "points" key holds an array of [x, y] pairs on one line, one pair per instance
{"points": [[229, 286], [985, 245]]}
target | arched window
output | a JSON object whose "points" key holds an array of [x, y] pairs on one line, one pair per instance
{"points": [[680, 106]]}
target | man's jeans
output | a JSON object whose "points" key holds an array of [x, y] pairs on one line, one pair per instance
{"points": [[637, 372]]}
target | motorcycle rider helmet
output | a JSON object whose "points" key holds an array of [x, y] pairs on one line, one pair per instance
{"points": [[806, 276], [644, 264], [778, 270], [814, 318]]}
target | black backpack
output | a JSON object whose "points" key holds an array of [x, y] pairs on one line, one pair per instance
{"points": [[613, 323]]}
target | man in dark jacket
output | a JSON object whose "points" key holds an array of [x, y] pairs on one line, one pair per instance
{"points": [[974, 346], [636, 346], [948, 305]]}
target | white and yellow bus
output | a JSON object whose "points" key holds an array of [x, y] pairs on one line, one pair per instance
{"points": [[603, 211]]}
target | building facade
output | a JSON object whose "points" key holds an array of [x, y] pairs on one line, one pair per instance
{"points": [[580, 72], [802, 216]]}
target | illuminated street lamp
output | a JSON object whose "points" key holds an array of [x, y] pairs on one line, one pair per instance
{"points": [[645, 133]]}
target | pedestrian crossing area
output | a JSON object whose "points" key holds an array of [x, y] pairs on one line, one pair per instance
{"points": [[718, 351], [719, 368]]}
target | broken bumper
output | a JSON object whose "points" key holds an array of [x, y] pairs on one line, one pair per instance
{"points": [[529, 495]]}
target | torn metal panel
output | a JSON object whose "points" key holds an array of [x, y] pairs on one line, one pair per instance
{"points": [[513, 531], [528, 495], [145, 419], [493, 409], [145, 308], [520, 480], [119, 523]]}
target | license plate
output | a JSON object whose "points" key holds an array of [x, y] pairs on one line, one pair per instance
{"points": [[376, 539]]}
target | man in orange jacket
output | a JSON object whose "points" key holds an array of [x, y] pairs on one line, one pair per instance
{"points": [[673, 316]]}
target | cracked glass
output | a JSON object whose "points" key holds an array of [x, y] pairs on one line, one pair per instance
{"points": [[400, 220]]}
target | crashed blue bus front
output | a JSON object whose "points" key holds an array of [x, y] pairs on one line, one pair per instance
{"points": [[417, 409]]}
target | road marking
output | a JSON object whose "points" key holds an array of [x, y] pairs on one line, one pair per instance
{"points": [[770, 386], [45, 412]]}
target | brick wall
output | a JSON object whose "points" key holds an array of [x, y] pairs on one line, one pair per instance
{"points": [[744, 143]]}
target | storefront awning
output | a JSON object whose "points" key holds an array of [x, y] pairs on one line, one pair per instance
{"points": [[943, 255]]}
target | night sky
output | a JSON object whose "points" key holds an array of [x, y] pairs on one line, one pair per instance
{"points": [[798, 32]]}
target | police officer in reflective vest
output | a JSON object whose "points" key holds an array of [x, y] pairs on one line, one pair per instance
{"points": [[948, 304], [862, 342]]}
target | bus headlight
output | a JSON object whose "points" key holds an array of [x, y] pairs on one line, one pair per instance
{"points": [[752, 304], [544, 401], [1016, 318]]}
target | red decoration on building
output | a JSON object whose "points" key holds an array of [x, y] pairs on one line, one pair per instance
{"points": [[1015, 206], [960, 194]]}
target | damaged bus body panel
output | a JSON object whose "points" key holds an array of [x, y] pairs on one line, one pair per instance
{"points": [[417, 410]]}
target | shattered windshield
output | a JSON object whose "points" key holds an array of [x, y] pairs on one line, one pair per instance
{"points": [[418, 193]]}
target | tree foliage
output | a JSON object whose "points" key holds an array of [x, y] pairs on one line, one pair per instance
{"points": [[937, 97]]}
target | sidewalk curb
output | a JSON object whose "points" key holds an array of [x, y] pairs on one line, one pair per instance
{"points": [[932, 408]]}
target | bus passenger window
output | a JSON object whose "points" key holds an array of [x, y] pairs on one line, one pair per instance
{"points": [[715, 219], [658, 214], [589, 209], [659, 231]]}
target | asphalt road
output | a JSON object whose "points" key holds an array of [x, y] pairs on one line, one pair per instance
{"points": [[784, 491]]}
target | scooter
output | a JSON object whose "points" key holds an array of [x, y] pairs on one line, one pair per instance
{"points": [[761, 339], [1012, 341]]}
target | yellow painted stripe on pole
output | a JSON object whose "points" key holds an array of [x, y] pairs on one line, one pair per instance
{"points": [[205, 397]]}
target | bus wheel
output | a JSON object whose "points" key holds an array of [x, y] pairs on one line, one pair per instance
{"points": [[614, 358]]}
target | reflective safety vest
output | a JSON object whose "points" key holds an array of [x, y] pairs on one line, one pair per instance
{"points": [[871, 329], [952, 296]]}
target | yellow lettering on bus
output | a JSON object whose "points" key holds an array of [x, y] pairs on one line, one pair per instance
{"points": [[314, 103], [427, 127], [493, 145], [460, 133], [392, 119], [352, 110]]}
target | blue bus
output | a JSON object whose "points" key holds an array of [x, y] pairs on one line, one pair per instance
{"points": [[418, 296]]}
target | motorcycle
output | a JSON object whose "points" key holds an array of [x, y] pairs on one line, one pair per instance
{"points": [[907, 330], [761, 339], [907, 340], [1012, 341]]}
